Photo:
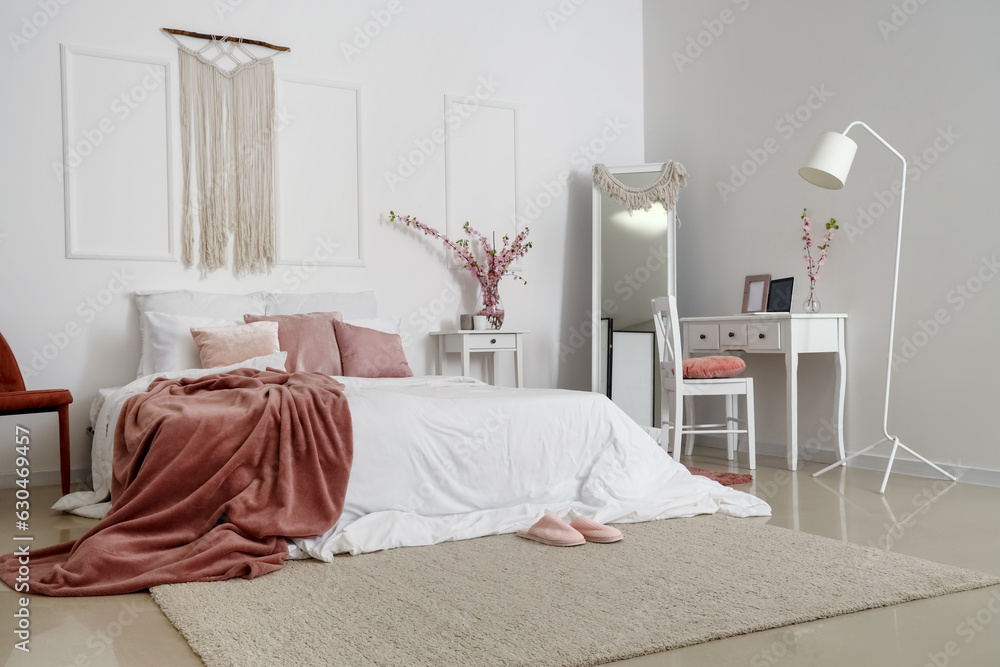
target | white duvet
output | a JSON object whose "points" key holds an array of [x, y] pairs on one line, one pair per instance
{"points": [[450, 458]]}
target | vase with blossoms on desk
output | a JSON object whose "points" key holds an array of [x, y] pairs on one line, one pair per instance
{"points": [[813, 264], [488, 265]]}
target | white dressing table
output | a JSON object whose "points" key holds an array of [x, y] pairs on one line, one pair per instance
{"points": [[790, 334]]}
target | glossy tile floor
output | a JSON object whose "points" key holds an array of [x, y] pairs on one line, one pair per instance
{"points": [[958, 524]]}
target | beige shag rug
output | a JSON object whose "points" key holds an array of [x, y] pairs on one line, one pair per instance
{"points": [[504, 600]]}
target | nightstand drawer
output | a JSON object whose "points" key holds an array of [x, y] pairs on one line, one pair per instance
{"points": [[764, 336], [703, 336], [732, 334], [492, 341], [465, 342]]}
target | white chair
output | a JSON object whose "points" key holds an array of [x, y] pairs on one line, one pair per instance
{"points": [[676, 387]]}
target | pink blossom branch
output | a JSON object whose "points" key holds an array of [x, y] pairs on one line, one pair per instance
{"points": [[496, 262], [813, 264], [462, 252]]}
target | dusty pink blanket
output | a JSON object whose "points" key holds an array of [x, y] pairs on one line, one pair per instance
{"points": [[210, 475]]}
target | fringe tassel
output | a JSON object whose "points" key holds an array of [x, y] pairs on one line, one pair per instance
{"points": [[228, 165], [665, 190]]}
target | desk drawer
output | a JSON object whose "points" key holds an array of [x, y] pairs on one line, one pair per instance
{"points": [[703, 336], [764, 336], [492, 341], [733, 334]]}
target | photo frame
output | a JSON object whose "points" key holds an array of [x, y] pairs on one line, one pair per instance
{"points": [[779, 295], [755, 289]]}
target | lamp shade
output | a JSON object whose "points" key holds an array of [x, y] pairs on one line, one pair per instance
{"points": [[830, 162]]}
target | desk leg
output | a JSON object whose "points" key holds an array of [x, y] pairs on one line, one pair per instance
{"points": [[518, 363], [440, 359], [840, 390], [792, 408]]}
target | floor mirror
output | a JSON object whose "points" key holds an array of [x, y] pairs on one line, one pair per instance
{"points": [[634, 250]]}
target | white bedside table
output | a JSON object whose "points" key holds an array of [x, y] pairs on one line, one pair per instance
{"points": [[465, 342]]}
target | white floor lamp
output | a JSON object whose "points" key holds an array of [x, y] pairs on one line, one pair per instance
{"points": [[828, 168]]}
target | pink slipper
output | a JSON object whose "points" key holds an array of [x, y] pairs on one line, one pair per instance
{"points": [[552, 530], [595, 532]]}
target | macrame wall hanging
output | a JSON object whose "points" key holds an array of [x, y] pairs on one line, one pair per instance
{"points": [[664, 190], [227, 153]]}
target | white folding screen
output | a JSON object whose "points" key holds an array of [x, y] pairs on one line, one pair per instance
{"points": [[633, 374], [116, 168], [318, 175]]}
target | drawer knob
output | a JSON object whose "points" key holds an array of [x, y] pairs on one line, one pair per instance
{"points": [[493, 341], [761, 336], [732, 334], [702, 336]]}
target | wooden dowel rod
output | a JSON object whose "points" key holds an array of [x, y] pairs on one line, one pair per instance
{"points": [[201, 35]]}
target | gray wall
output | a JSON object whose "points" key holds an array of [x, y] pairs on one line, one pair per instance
{"points": [[739, 91]]}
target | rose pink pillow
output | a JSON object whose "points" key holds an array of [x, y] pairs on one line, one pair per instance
{"points": [[222, 346], [309, 340], [367, 353], [722, 366]]}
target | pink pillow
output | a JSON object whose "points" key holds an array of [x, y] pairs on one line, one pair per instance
{"points": [[222, 346], [309, 340], [723, 366], [367, 353]]}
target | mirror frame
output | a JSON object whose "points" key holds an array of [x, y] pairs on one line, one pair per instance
{"points": [[654, 170]]}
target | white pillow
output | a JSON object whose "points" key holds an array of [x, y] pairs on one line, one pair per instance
{"points": [[262, 363], [228, 307], [259, 363], [389, 325], [201, 304], [171, 346], [351, 304]]}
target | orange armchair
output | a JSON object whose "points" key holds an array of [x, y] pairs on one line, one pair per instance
{"points": [[16, 400]]}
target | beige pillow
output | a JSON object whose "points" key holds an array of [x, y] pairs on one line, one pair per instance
{"points": [[221, 346]]}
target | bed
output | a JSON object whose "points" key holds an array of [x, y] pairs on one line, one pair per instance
{"points": [[440, 458]]}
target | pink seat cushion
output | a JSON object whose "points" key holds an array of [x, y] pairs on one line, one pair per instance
{"points": [[704, 368], [39, 399]]}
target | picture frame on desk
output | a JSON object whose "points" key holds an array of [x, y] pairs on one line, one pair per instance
{"points": [[779, 295], [755, 290]]}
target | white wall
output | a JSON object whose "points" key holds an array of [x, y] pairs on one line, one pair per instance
{"points": [[921, 75], [575, 72]]}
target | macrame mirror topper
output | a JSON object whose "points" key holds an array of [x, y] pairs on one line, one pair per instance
{"points": [[664, 190], [227, 154]]}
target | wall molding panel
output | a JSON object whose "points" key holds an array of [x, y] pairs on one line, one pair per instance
{"points": [[481, 174], [318, 173], [116, 166]]}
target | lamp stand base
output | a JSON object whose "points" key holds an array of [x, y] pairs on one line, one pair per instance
{"points": [[896, 444]]}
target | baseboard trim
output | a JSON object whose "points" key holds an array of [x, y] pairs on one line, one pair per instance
{"points": [[903, 466]]}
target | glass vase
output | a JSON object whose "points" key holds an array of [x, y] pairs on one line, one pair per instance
{"points": [[490, 304], [811, 304]]}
